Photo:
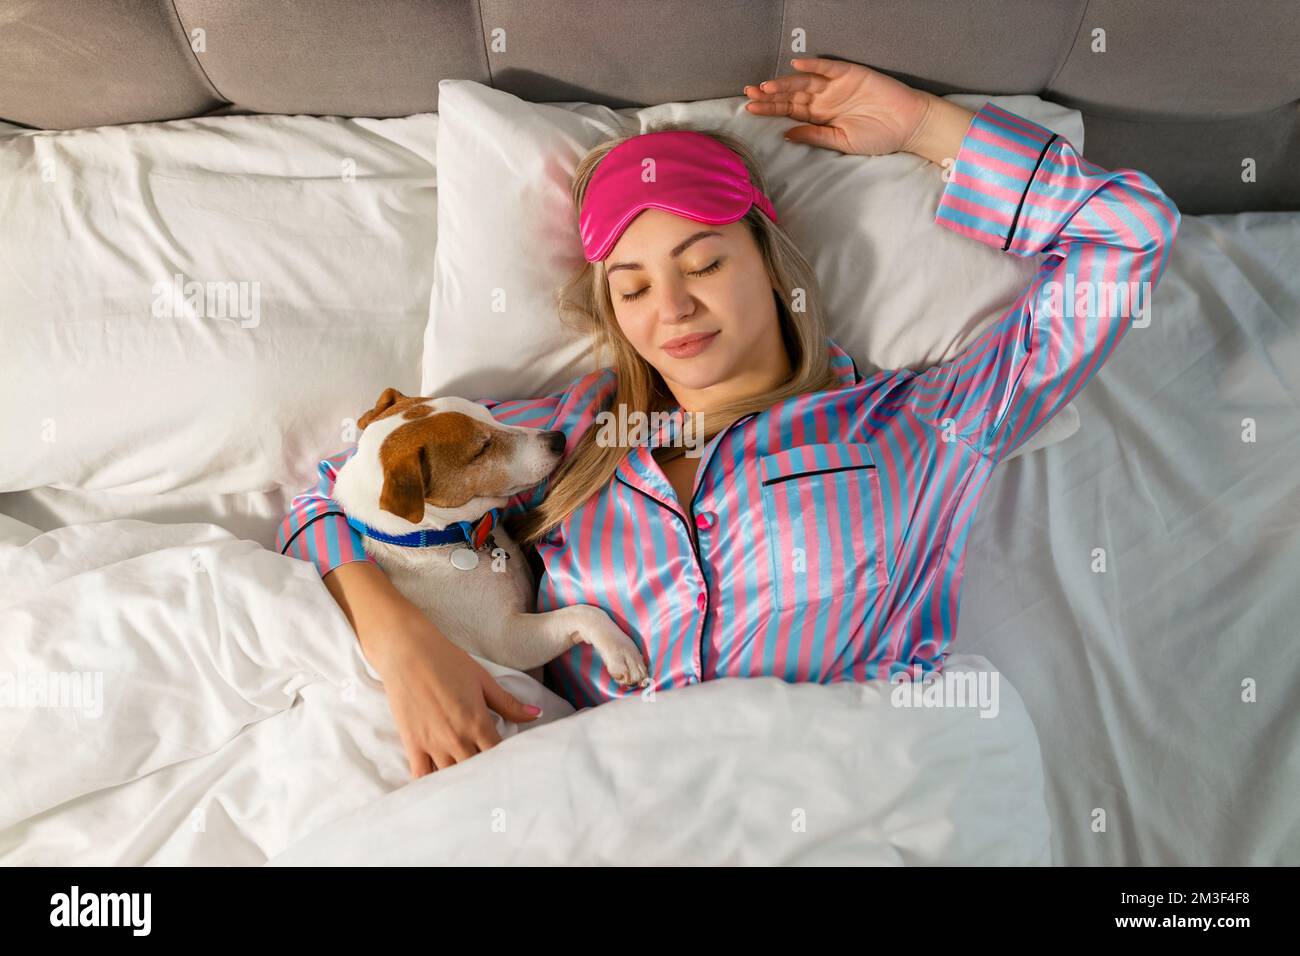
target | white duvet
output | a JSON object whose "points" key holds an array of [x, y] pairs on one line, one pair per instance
{"points": [[170, 694]]}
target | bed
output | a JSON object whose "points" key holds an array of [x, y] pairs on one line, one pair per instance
{"points": [[1128, 587]]}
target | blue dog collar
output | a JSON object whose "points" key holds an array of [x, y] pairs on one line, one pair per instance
{"points": [[474, 533]]}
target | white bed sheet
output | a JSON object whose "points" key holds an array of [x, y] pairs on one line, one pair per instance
{"points": [[210, 706], [1134, 676], [252, 516]]}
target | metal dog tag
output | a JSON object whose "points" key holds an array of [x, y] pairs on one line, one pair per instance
{"points": [[465, 559]]}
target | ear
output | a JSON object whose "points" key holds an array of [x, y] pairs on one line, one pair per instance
{"points": [[403, 491], [386, 401]]}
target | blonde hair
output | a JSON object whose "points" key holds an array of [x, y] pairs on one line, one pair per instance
{"points": [[585, 304]]}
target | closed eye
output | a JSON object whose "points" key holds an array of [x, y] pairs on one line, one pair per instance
{"points": [[483, 448], [707, 270]]}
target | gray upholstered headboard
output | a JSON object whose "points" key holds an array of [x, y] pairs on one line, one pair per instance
{"points": [[1201, 94]]}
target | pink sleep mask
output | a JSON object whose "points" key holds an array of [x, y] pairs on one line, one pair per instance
{"points": [[692, 175]]}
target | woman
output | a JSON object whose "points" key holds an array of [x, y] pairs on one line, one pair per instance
{"points": [[820, 534]]}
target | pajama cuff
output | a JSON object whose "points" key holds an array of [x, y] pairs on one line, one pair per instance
{"points": [[996, 180], [327, 541]]}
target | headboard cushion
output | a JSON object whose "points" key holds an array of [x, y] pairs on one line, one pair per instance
{"points": [[1193, 93]]}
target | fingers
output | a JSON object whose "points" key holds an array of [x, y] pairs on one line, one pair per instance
{"points": [[786, 86], [790, 96], [425, 758], [485, 735], [486, 732], [786, 89], [786, 104], [769, 109], [441, 759], [420, 763], [827, 137], [423, 763], [462, 750], [795, 107], [813, 76], [828, 69], [418, 760], [507, 705]]}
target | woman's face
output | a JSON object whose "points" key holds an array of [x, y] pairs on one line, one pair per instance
{"points": [[696, 302]]}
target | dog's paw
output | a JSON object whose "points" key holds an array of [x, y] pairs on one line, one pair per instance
{"points": [[623, 659], [618, 652]]}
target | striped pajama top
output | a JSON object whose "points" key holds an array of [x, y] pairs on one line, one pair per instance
{"points": [[824, 540]]}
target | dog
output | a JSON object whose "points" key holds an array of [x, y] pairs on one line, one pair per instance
{"points": [[425, 488]]}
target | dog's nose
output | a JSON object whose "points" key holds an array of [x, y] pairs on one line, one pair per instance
{"points": [[555, 441]]}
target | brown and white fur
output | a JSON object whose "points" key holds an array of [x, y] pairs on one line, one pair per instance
{"points": [[425, 463]]}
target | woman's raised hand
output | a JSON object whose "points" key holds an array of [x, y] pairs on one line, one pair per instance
{"points": [[854, 109]]}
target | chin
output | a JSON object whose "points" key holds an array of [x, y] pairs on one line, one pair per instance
{"points": [[698, 373]]}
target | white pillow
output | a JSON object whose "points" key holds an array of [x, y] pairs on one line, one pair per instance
{"points": [[901, 291], [330, 221]]}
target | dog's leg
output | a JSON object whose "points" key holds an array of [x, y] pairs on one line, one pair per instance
{"points": [[538, 638]]}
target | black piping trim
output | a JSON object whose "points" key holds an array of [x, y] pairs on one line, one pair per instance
{"points": [[323, 514], [1015, 220], [822, 471], [623, 481], [857, 373], [691, 534], [695, 547]]}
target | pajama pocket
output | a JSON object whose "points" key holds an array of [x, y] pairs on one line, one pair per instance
{"points": [[823, 523]]}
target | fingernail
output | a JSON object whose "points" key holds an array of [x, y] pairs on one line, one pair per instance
{"points": [[533, 711]]}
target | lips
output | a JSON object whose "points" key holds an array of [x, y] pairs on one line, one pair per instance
{"points": [[685, 346]]}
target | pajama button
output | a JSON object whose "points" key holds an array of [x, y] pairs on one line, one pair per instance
{"points": [[702, 601], [704, 520]]}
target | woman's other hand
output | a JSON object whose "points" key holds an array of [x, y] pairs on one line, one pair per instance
{"points": [[854, 109], [440, 697]]}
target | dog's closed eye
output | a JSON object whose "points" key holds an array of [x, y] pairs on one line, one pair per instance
{"points": [[482, 448]]}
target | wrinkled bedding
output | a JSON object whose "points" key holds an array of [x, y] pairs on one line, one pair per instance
{"points": [[209, 705]]}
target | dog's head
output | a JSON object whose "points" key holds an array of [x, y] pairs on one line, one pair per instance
{"points": [[449, 453]]}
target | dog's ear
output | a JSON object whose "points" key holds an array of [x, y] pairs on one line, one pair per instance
{"points": [[386, 401], [404, 484]]}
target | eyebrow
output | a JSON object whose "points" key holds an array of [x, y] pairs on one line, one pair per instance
{"points": [[677, 251]]}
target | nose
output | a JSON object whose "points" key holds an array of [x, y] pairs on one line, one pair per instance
{"points": [[676, 305], [555, 441]]}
